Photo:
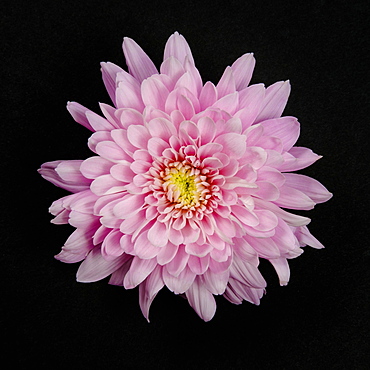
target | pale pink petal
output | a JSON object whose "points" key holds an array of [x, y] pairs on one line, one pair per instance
{"points": [[78, 112], [138, 62], [243, 69], [109, 73], [180, 283], [208, 96], [285, 128], [275, 101], [198, 265], [111, 247], [139, 270], [149, 289], [144, 248], [304, 157], [177, 47], [294, 199], [95, 267], [138, 136], [233, 144], [173, 69], [99, 123], [161, 128], [154, 93], [167, 253], [216, 283], [306, 238], [309, 186], [128, 92], [49, 172], [157, 234], [282, 269], [247, 273], [94, 167], [106, 184], [201, 300], [178, 263], [129, 205], [226, 85], [228, 103]]}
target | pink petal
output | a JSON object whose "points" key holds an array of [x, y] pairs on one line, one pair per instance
{"points": [[128, 93], [304, 157], [111, 247], [95, 267], [208, 95], [157, 234], [144, 248], [106, 184], [154, 93], [48, 172], [138, 62], [309, 186], [282, 269], [177, 47], [305, 237], [139, 270], [245, 215], [109, 73], [78, 112], [201, 300], [172, 68], [229, 103], [226, 85], [275, 100], [178, 284], [216, 283], [294, 199], [112, 151], [243, 69], [198, 264], [131, 204], [149, 289], [161, 128], [290, 218], [138, 136], [247, 273], [94, 167], [178, 263], [285, 128], [167, 253], [233, 144], [98, 123]]}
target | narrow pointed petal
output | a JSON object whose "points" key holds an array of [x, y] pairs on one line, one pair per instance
{"points": [[138, 62], [78, 112], [243, 69], [201, 300], [275, 101], [282, 269], [109, 73], [177, 47], [95, 267]]}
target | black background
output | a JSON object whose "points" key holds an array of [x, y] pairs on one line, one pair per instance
{"points": [[50, 54]]}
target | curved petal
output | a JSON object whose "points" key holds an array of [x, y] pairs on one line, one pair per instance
{"points": [[138, 62]]}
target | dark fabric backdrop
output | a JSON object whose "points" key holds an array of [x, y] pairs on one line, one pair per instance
{"points": [[50, 54]]}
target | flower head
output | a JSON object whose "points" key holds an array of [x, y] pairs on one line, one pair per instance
{"points": [[187, 184]]}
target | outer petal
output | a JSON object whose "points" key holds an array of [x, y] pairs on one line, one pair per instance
{"points": [[201, 300], [243, 69], [78, 112], [177, 47], [275, 101], [138, 62], [95, 267]]}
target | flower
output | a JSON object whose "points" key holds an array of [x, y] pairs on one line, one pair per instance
{"points": [[187, 184]]}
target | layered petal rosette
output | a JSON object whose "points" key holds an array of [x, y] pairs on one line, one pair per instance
{"points": [[188, 184]]}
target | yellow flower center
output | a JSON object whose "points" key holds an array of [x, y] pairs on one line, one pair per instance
{"points": [[183, 186]]}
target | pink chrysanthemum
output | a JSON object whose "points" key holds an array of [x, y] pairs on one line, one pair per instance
{"points": [[188, 183]]}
